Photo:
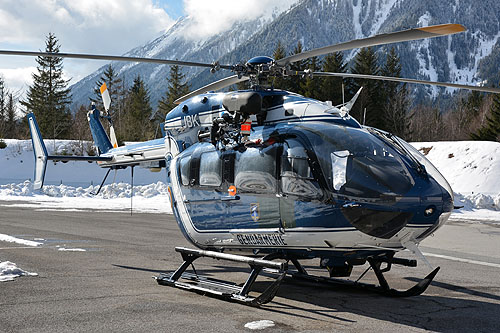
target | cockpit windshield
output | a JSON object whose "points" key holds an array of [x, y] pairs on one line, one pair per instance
{"points": [[356, 163]]}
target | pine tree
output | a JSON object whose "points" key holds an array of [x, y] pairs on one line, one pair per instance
{"points": [[491, 129], [371, 97], [396, 109], [300, 65], [279, 82], [48, 98], [80, 129], [176, 88], [311, 86], [113, 83], [331, 87], [115, 90], [10, 117], [137, 126]]}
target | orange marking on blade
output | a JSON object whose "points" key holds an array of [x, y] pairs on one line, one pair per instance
{"points": [[444, 29], [103, 87]]}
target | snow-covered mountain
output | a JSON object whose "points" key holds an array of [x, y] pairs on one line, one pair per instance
{"points": [[179, 42], [470, 57]]}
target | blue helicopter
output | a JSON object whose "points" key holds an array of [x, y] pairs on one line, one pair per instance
{"points": [[270, 178]]}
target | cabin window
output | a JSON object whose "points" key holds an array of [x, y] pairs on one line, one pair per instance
{"points": [[255, 170], [210, 169], [184, 167], [296, 175]]}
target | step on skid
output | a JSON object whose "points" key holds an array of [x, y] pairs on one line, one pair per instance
{"points": [[219, 288]]}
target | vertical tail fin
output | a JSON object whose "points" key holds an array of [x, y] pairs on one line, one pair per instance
{"points": [[101, 139], [40, 152]]}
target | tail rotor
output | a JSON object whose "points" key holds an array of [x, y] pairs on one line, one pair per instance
{"points": [[106, 100]]}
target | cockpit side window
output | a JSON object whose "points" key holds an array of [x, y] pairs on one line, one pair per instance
{"points": [[296, 175], [255, 170], [184, 168], [210, 169]]}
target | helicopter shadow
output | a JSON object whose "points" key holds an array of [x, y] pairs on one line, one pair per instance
{"points": [[444, 307], [436, 310]]}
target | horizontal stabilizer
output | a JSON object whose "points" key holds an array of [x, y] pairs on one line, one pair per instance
{"points": [[41, 155]]}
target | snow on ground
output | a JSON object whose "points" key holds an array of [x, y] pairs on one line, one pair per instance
{"points": [[9, 271], [152, 198], [71, 250], [471, 167], [10, 239], [473, 170], [17, 161], [259, 324]]}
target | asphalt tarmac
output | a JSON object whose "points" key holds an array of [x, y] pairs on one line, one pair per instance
{"points": [[109, 287]]}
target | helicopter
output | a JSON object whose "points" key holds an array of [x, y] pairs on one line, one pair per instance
{"points": [[269, 178]]}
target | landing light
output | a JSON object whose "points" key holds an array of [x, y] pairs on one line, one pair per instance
{"points": [[429, 211]]}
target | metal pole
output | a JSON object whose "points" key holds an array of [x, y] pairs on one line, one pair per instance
{"points": [[364, 117], [132, 189]]}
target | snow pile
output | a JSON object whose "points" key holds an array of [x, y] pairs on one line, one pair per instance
{"points": [[471, 167], [10, 239], [473, 170], [17, 164], [9, 271], [120, 190], [259, 324]]}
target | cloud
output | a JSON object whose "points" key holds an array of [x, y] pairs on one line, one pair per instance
{"points": [[98, 26], [90, 26], [17, 78], [216, 16]]}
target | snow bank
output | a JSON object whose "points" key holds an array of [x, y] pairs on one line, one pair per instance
{"points": [[471, 167], [119, 190], [9, 271], [10, 239], [17, 162], [473, 170]]}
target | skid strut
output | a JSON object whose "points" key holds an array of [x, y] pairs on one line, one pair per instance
{"points": [[220, 288], [383, 287]]}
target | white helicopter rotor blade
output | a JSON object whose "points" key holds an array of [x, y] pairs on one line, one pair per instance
{"points": [[106, 100], [217, 85], [394, 37], [400, 79], [113, 58]]}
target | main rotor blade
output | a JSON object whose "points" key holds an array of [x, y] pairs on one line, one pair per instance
{"points": [[394, 37], [217, 85], [399, 79], [112, 58]]}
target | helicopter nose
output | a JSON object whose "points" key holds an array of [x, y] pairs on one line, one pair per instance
{"points": [[435, 209]]}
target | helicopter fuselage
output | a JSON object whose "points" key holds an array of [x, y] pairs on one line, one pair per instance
{"points": [[309, 181]]}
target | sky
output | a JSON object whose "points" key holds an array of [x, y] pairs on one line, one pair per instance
{"points": [[102, 27]]}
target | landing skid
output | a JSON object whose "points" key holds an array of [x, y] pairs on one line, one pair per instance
{"points": [[383, 287], [219, 288], [240, 293]]}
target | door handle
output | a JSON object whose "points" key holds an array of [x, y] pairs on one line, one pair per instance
{"points": [[230, 198]]}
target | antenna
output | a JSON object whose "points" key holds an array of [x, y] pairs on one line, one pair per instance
{"points": [[343, 98]]}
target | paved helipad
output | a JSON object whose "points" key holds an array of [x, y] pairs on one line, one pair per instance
{"points": [[109, 287]]}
